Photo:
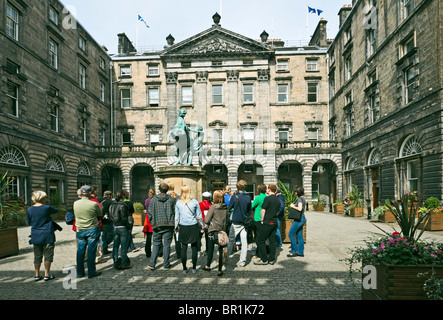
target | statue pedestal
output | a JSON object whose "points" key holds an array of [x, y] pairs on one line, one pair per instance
{"points": [[183, 175]]}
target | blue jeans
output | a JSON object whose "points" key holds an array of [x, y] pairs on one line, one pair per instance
{"points": [[87, 238], [131, 245], [161, 236], [107, 237], [121, 239], [296, 233], [278, 234]]}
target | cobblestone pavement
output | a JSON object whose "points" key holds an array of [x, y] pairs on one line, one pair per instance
{"points": [[320, 275]]}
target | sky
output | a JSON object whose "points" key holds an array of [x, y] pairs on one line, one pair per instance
{"points": [[287, 20]]}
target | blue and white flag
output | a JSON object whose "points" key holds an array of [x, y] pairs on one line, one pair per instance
{"points": [[141, 19], [315, 11]]}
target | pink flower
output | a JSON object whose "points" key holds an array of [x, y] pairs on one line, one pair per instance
{"points": [[433, 255]]}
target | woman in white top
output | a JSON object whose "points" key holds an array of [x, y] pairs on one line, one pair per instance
{"points": [[189, 225]]}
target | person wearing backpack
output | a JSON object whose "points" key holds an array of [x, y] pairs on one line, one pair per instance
{"points": [[118, 214]]}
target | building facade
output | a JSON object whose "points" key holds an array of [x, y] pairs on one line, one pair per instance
{"points": [[55, 83], [385, 78], [263, 108]]}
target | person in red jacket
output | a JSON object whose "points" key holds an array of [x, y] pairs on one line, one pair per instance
{"points": [[204, 207]]}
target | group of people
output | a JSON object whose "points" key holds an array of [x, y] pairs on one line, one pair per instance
{"points": [[169, 217]]}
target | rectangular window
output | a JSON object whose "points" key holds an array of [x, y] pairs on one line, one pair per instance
{"points": [[312, 91], [186, 95], [217, 94], [371, 38], [125, 98], [53, 15], [248, 93], [407, 45], [348, 35], [311, 65], [217, 137], [82, 76], [412, 175], [54, 118], [282, 65], [125, 71], [153, 96], [312, 134], [12, 98], [82, 43], [409, 84], [348, 124], [12, 22], [126, 138], [53, 53], [283, 135], [408, 7], [102, 136], [248, 134], [154, 137], [373, 108], [348, 68], [102, 91], [153, 70], [283, 91], [102, 64], [83, 129]]}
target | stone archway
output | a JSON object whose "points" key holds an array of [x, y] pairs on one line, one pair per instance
{"points": [[290, 173], [253, 173], [216, 177], [142, 179], [324, 180], [111, 178]]}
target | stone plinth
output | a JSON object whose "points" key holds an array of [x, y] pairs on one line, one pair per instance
{"points": [[183, 175]]}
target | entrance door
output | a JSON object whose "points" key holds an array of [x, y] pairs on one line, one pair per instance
{"points": [[375, 187]]}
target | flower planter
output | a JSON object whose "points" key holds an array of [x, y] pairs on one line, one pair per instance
{"points": [[339, 209], [319, 207], [285, 225], [387, 217], [435, 222], [356, 212], [9, 242], [138, 219], [400, 282]]}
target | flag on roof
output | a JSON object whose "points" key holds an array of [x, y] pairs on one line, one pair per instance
{"points": [[141, 19], [313, 10]]}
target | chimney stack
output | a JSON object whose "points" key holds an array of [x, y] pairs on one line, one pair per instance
{"points": [[343, 14], [125, 45], [319, 38]]}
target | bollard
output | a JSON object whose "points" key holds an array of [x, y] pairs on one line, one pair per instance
{"points": [[369, 213]]}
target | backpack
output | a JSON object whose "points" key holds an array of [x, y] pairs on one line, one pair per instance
{"points": [[118, 213], [69, 218]]}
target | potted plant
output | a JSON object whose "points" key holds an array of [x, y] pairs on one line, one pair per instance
{"points": [[318, 203], [432, 206], [395, 260], [356, 202], [383, 214], [339, 207], [139, 210], [290, 198], [8, 235]]}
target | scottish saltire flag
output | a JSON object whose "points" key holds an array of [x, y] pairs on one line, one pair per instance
{"points": [[141, 19], [313, 10]]}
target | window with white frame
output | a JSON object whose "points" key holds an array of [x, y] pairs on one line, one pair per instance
{"points": [[125, 71], [248, 134], [282, 65], [217, 137], [102, 137], [153, 70], [102, 64], [312, 91], [187, 98], [311, 64], [82, 43], [407, 45], [409, 75], [348, 67], [153, 96], [248, 93], [82, 76], [12, 99], [371, 41], [407, 7], [154, 137], [102, 91], [12, 22], [53, 53], [217, 94], [283, 135], [312, 134], [83, 129], [53, 15], [373, 108], [283, 92], [349, 123], [125, 98], [126, 138], [55, 117], [412, 175]]}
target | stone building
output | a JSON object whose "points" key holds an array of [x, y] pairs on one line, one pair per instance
{"points": [[385, 79], [263, 107], [55, 84]]}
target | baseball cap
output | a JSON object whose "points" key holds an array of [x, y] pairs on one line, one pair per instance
{"points": [[206, 194], [86, 189]]}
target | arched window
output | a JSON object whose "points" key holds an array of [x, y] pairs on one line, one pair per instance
{"points": [[350, 165], [374, 157], [12, 156], [410, 169], [83, 169], [410, 147], [54, 164]]}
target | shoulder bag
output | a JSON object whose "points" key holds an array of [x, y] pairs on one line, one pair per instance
{"points": [[294, 214]]}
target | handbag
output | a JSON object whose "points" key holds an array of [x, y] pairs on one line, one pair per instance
{"points": [[294, 214], [223, 239], [56, 226], [69, 218]]}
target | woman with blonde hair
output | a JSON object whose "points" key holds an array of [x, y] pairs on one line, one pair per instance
{"points": [[215, 220], [38, 216], [189, 226]]}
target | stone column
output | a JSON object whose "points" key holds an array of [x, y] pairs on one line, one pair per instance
{"points": [[171, 94]]}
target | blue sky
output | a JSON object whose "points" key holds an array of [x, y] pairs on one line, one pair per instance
{"points": [[282, 19]]}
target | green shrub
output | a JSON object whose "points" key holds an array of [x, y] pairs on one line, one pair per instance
{"points": [[432, 203]]}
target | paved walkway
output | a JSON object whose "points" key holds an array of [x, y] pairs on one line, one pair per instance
{"points": [[320, 275]]}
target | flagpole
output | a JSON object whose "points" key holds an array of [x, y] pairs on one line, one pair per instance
{"points": [[307, 24], [136, 35]]}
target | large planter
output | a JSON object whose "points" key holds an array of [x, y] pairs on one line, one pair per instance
{"points": [[435, 222], [339, 209], [284, 229], [138, 219], [387, 217], [319, 207], [8, 242], [356, 212], [400, 282]]}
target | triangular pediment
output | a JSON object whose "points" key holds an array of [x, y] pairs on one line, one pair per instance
{"points": [[217, 41]]}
